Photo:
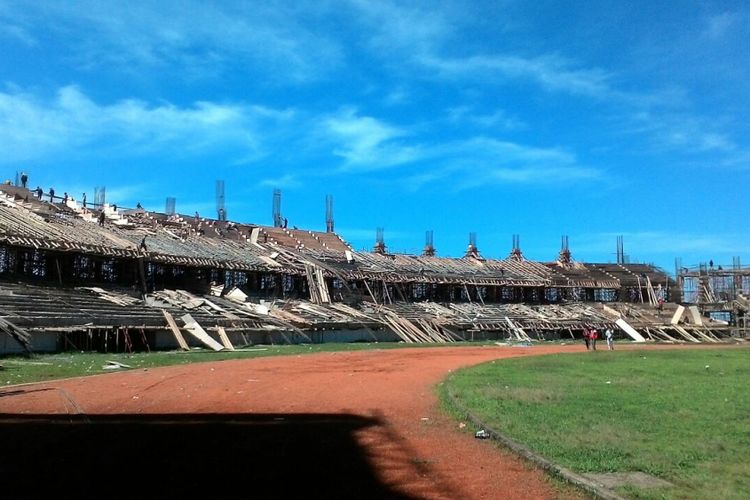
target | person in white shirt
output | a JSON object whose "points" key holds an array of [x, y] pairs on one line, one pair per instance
{"points": [[609, 335]]}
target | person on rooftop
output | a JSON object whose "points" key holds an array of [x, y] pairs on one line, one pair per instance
{"points": [[51, 194], [101, 218], [24, 179], [39, 192]]}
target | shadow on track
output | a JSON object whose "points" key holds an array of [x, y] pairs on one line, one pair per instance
{"points": [[196, 455]]}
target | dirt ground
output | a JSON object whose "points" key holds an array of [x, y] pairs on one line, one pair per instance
{"points": [[337, 425]]}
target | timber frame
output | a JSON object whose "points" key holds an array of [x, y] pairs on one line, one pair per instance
{"points": [[138, 254]]}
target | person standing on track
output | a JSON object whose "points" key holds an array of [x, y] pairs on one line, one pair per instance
{"points": [[593, 335], [586, 337], [609, 335]]}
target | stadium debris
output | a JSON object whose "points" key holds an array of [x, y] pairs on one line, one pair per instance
{"points": [[68, 281]]}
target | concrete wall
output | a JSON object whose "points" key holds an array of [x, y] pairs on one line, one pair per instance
{"points": [[165, 340], [359, 335], [40, 342]]}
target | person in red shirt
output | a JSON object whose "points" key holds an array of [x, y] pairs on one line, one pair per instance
{"points": [[593, 335], [586, 337]]}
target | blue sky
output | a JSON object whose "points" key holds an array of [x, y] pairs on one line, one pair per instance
{"points": [[545, 118]]}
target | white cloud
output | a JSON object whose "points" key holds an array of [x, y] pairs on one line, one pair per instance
{"points": [[544, 174], [17, 33], [393, 26], [487, 160], [284, 181], [737, 160], [495, 119], [366, 143], [712, 141], [397, 96], [193, 37], [550, 72], [680, 131], [507, 152], [34, 128], [416, 182], [720, 24], [423, 35], [481, 161]]}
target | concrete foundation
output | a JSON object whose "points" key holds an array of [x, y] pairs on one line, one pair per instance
{"points": [[166, 341], [40, 342]]}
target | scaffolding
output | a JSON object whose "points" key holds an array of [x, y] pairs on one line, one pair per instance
{"points": [[276, 209], [221, 211], [170, 205], [713, 284]]}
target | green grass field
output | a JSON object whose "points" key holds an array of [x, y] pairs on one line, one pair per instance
{"points": [[680, 415]]}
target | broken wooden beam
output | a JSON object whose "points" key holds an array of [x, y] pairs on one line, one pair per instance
{"points": [[224, 338], [632, 332], [199, 333], [175, 330]]}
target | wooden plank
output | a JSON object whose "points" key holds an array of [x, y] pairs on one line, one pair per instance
{"points": [[711, 334], [666, 335], [393, 321], [702, 335], [236, 295], [610, 311], [19, 334], [199, 333], [686, 334], [370, 292], [695, 316], [415, 331], [175, 330], [324, 295], [397, 330], [289, 316], [434, 331], [386, 295], [311, 285], [632, 332], [512, 328], [312, 310], [677, 315], [224, 338]]}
